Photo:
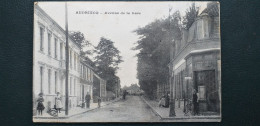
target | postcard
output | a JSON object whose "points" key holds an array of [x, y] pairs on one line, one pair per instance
{"points": [[122, 61]]}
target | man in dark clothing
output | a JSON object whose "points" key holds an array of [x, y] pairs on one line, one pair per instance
{"points": [[124, 94], [87, 99], [167, 101], [195, 103]]}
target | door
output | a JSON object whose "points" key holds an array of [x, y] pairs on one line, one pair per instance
{"points": [[206, 86], [82, 95]]}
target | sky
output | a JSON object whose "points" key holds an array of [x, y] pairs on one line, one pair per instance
{"points": [[116, 27]]}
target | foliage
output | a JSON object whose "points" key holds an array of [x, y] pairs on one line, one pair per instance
{"points": [[107, 60], [154, 45], [133, 87], [80, 40], [190, 17]]}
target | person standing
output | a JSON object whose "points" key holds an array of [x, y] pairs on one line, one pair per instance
{"points": [[124, 94], [195, 103], [40, 106], [167, 101], [87, 100], [58, 102], [99, 102]]}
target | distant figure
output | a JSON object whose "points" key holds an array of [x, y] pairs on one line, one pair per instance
{"points": [[124, 94], [58, 102], [99, 102], [87, 100], [40, 105], [195, 103]]}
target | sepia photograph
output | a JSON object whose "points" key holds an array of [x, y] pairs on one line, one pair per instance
{"points": [[139, 61]]}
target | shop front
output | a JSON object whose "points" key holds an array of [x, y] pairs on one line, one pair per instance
{"points": [[202, 68]]}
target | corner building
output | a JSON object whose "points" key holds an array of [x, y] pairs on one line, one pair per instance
{"points": [[196, 63]]}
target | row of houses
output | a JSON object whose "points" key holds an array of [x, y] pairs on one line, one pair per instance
{"points": [[49, 65], [196, 63]]}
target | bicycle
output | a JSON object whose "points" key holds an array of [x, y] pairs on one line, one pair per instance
{"points": [[53, 111]]}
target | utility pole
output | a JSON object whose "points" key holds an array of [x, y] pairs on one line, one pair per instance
{"points": [[172, 99], [67, 62]]}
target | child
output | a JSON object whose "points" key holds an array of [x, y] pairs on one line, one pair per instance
{"points": [[58, 102], [40, 105]]}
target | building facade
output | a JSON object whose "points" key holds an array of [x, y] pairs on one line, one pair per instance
{"points": [[49, 62], [99, 88], [196, 62], [86, 81]]}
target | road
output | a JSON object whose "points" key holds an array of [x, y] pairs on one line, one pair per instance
{"points": [[133, 109]]}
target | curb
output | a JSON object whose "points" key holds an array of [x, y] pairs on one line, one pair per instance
{"points": [[156, 113], [178, 118], [66, 117]]}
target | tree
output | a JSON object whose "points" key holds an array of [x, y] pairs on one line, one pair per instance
{"points": [[154, 46], [190, 17], [107, 60], [80, 40]]}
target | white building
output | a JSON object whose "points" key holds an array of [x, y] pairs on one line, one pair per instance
{"points": [[49, 61], [99, 87], [86, 81]]}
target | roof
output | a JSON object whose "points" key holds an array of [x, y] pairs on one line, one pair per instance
{"points": [[212, 9]]}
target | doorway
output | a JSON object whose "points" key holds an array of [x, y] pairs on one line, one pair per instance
{"points": [[207, 89]]}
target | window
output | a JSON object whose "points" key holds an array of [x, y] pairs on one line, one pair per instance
{"points": [[49, 81], [55, 47], [206, 29], [49, 44], [70, 85], [70, 58], [56, 86], [78, 64], [74, 86], [202, 93], [61, 51], [41, 79], [84, 72], [81, 70], [87, 74], [75, 61], [202, 29], [91, 75], [62, 89], [41, 38], [80, 92]]}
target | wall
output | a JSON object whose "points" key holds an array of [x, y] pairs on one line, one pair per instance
{"points": [[47, 59]]}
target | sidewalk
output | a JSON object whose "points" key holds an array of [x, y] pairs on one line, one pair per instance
{"points": [[74, 111], [163, 113]]}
